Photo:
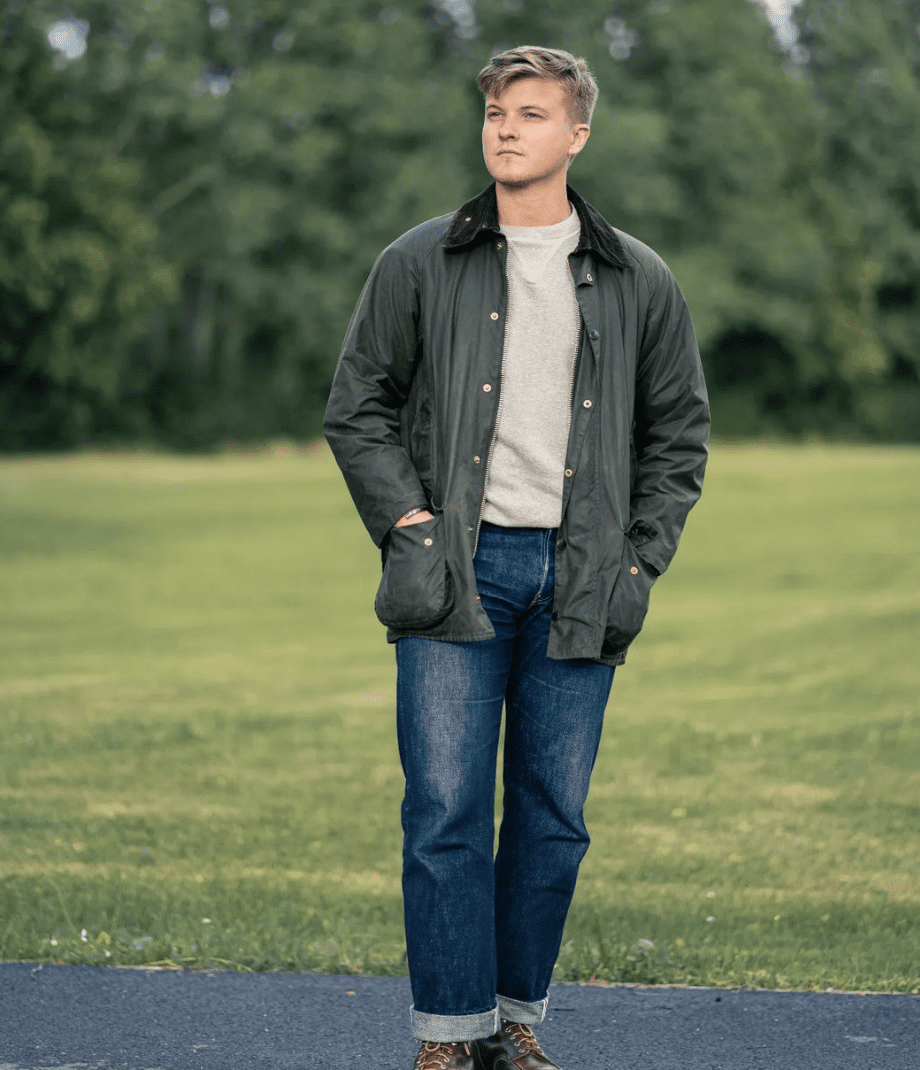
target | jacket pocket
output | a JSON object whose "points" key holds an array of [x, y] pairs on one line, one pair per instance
{"points": [[630, 599], [415, 590]]}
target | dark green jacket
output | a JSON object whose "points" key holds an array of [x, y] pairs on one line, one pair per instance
{"points": [[412, 413]]}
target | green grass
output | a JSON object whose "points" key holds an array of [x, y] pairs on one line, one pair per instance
{"points": [[196, 707]]}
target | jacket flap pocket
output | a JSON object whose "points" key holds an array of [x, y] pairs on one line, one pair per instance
{"points": [[415, 588], [630, 599]]}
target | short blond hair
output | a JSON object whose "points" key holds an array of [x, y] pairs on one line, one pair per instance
{"points": [[553, 64]]}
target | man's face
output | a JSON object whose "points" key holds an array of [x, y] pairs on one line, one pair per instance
{"points": [[529, 137]]}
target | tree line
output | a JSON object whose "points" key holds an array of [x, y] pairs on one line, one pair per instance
{"points": [[192, 193]]}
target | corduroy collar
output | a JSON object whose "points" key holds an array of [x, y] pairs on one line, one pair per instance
{"points": [[476, 220]]}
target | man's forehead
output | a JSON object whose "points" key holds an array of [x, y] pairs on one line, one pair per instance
{"points": [[541, 92]]}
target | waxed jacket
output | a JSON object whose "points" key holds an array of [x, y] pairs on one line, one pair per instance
{"points": [[412, 414]]}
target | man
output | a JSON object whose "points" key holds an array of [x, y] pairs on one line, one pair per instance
{"points": [[520, 415]]}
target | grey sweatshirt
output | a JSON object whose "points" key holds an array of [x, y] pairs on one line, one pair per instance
{"points": [[527, 462]]}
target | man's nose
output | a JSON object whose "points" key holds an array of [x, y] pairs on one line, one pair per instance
{"points": [[506, 130]]}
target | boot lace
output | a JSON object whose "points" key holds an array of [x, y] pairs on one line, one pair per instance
{"points": [[432, 1056], [523, 1039]]}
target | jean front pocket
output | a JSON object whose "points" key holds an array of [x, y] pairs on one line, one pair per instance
{"points": [[415, 589]]}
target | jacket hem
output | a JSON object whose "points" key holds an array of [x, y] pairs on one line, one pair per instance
{"points": [[463, 637], [612, 659]]}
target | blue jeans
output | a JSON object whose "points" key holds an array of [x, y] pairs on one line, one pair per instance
{"points": [[482, 932]]}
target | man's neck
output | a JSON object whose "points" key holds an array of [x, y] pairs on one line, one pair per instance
{"points": [[533, 206]]}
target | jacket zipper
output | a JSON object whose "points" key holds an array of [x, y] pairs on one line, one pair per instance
{"points": [[579, 323], [498, 410], [578, 326]]}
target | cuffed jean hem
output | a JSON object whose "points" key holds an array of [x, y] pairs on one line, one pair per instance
{"points": [[512, 1010], [451, 1028]]}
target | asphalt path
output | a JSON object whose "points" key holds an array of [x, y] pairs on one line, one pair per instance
{"points": [[90, 1018]]}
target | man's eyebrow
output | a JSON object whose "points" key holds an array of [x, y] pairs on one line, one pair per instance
{"points": [[523, 107]]}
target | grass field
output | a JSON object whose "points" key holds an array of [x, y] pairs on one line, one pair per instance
{"points": [[199, 763]]}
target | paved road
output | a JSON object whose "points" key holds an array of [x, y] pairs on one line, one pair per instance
{"points": [[87, 1018]]}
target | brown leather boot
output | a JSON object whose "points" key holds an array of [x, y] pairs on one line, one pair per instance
{"points": [[513, 1047], [432, 1056]]}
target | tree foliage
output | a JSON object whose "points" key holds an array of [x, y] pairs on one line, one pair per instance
{"points": [[190, 207], [77, 265], [863, 67]]}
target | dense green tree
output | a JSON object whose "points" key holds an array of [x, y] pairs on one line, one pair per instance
{"points": [[274, 150], [862, 62], [77, 270], [191, 205], [282, 148]]}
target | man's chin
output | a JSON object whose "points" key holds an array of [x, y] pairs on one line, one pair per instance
{"points": [[512, 183], [508, 180]]}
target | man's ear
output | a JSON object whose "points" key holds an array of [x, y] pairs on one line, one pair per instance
{"points": [[580, 134]]}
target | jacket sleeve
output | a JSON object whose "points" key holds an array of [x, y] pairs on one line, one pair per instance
{"points": [[370, 386], [671, 422]]}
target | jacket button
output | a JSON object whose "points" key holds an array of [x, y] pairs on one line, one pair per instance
{"points": [[594, 335], [487, 388], [569, 473], [476, 460], [429, 542], [634, 570], [555, 615], [589, 277], [494, 316], [588, 403]]}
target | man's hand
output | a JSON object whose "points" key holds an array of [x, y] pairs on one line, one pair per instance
{"points": [[416, 518]]}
